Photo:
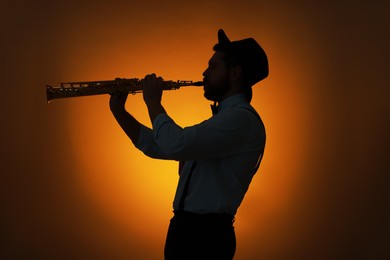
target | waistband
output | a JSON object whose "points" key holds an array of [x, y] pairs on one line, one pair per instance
{"points": [[212, 218]]}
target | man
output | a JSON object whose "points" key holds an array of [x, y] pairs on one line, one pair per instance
{"points": [[218, 157]]}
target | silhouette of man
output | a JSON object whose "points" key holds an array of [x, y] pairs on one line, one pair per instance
{"points": [[218, 157]]}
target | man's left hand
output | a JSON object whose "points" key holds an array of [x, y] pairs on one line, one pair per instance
{"points": [[152, 89]]}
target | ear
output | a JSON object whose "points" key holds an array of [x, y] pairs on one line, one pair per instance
{"points": [[235, 73]]}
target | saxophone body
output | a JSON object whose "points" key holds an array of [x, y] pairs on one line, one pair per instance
{"points": [[90, 88]]}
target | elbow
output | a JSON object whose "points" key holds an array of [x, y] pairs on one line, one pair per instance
{"points": [[175, 154], [175, 150]]}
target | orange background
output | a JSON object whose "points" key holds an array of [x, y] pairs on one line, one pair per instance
{"points": [[74, 187]]}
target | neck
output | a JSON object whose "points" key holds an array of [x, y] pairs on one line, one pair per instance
{"points": [[231, 92]]}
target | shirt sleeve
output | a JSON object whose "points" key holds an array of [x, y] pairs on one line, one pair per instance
{"points": [[147, 145], [220, 136]]}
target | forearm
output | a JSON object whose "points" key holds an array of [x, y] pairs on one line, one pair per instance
{"points": [[155, 109], [128, 123]]}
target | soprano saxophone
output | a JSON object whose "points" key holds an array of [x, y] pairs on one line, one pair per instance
{"points": [[90, 88]]}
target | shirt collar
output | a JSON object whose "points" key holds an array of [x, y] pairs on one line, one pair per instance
{"points": [[232, 101]]}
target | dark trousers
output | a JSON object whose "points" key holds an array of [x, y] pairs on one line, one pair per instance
{"points": [[201, 237]]}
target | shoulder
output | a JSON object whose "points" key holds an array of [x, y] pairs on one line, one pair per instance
{"points": [[249, 116], [245, 111], [240, 116]]}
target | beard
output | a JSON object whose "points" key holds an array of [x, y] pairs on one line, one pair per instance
{"points": [[216, 91]]}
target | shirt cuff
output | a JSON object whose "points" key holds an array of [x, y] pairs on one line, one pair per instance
{"points": [[160, 120], [144, 139]]}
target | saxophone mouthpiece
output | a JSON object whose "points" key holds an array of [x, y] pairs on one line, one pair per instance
{"points": [[198, 83]]}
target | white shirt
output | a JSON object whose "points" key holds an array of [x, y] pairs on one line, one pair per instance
{"points": [[226, 148]]}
